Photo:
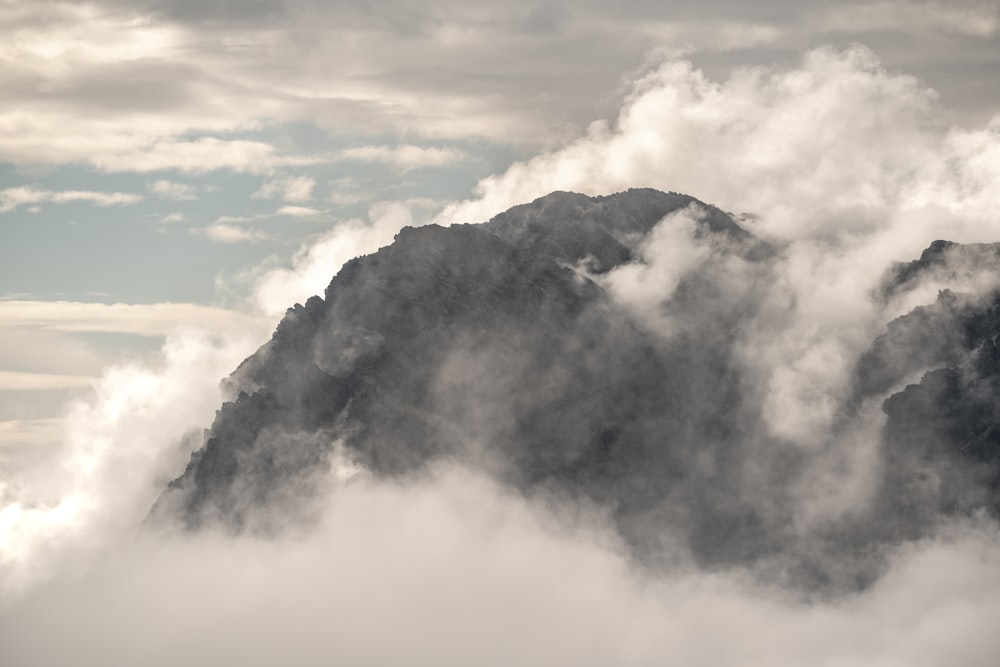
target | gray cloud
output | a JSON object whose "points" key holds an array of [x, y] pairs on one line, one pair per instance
{"points": [[522, 73]]}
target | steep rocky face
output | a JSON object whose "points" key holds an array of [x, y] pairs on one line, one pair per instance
{"points": [[942, 435], [501, 346]]}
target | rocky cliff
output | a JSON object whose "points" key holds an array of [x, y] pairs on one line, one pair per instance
{"points": [[502, 347]]}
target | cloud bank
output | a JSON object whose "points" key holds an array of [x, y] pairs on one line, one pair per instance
{"points": [[453, 571], [845, 167]]}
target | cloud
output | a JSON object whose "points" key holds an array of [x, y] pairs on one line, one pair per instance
{"points": [[977, 20], [847, 167], [30, 432], [668, 253], [292, 189], [19, 381], [45, 350], [44, 45], [316, 262], [299, 211], [225, 233], [460, 572], [155, 319], [12, 198], [200, 155], [347, 192], [678, 38], [406, 156], [147, 86], [173, 190]]}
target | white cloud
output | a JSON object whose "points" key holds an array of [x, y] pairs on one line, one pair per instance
{"points": [[454, 568], [154, 319], [112, 38], [299, 211], [133, 422], [663, 258], [318, 261], [843, 163], [847, 166], [225, 233], [977, 20], [173, 190], [200, 155], [292, 189], [21, 381], [12, 198], [108, 85], [406, 156], [677, 38], [173, 217], [30, 433]]}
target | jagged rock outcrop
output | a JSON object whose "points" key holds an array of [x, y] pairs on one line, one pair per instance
{"points": [[501, 346]]}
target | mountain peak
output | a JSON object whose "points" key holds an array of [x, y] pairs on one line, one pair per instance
{"points": [[510, 347]]}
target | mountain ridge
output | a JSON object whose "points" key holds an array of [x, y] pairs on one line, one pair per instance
{"points": [[500, 346]]}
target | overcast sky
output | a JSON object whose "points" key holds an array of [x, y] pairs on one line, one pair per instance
{"points": [[186, 152], [176, 173]]}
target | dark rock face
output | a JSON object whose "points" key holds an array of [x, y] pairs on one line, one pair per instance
{"points": [[942, 435], [498, 346]]}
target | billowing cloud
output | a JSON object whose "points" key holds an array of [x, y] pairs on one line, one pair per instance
{"points": [[276, 288], [845, 165], [134, 421], [842, 162], [453, 571]]}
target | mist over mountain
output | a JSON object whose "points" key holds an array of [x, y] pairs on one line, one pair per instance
{"points": [[610, 353]]}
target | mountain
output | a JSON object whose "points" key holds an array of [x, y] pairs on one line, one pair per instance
{"points": [[507, 347]]}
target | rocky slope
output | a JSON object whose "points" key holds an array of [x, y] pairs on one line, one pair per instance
{"points": [[501, 346]]}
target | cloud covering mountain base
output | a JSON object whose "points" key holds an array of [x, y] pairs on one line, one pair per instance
{"points": [[454, 570], [845, 166]]}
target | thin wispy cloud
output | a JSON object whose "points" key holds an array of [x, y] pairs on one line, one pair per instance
{"points": [[227, 233], [17, 381], [173, 190], [406, 156], [980, 20], [291, 189], [26, 196], [299, 211], [155, 319]]}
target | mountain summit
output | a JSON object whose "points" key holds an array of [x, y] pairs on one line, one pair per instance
{"points": [[595, 350]]}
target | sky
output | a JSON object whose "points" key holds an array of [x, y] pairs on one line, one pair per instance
{"points": [[171, 152], [174, 174]]}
